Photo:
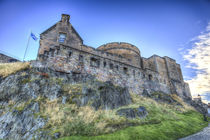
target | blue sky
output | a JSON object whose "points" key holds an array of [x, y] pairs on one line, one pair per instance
{"points": [[163, 27]]}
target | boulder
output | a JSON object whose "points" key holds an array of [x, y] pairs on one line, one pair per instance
{"points": [[132, 113]]}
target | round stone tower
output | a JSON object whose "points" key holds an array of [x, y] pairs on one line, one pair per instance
{"points": [[126, 50]]}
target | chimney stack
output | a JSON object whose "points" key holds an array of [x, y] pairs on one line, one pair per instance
{"points": [[65, 18]]}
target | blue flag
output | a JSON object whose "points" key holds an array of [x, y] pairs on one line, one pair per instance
{"points": [[34, 37]]}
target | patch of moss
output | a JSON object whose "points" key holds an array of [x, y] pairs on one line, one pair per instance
{"points": [[22, 106], [72, 88], [26, 80], [54, 80]]}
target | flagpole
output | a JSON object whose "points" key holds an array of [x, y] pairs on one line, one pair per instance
{"points": [[27, 46]]}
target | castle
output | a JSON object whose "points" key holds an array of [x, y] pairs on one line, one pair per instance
{"points": [[62, 48]]}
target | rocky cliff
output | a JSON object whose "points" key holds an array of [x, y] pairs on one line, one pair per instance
{"points": [[40, 103]]}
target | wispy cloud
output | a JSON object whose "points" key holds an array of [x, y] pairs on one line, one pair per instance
{"points": [[198, 58]]}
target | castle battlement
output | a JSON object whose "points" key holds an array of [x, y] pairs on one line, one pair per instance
{"points": [[62, 48]]}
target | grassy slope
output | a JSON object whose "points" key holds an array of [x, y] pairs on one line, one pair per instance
{"points": [[11, 68], [164, 122], [189, 123]]}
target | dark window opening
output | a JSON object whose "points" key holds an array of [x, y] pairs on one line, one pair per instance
{"points": [[70, 53], [52, 51], [143, 75], [58, 51], [125, 70], [117, 67], [150, 77], [104, 64], [134, 72], [94, 62], [62, 38], [81, 58], [46, 52], [111, 66]]}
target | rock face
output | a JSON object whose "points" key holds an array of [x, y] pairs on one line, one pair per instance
{"points": [[105, 96], [140, 112], [20, 99], [21, 124], [198, 105]]}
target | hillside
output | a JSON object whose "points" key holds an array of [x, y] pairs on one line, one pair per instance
{"points": [[40, 103]]}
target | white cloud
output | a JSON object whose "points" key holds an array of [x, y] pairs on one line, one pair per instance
{"points": [[199, 59]]}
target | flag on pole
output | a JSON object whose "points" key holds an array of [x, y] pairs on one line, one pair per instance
{"points": [[33, 36]]}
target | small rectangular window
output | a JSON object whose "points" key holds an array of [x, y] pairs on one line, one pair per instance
{"points": [[52, 51], [94, 62], [117, 67], [81, 58], [70, 53], [111, 66], [62, 38], [125, 70], [46, 52], [58, 51], [104, 64], [150, 77]]}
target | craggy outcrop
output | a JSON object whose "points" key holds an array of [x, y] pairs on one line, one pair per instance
{"points": [[22, 93], [140, 112]]}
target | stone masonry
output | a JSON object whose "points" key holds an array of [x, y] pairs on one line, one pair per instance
{"points": [[7, 59], [62, 48]]}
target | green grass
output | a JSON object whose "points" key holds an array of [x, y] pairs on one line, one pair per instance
{"points": [[164, 121], [187, 124]]}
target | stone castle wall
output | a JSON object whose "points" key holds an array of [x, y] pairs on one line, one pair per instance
{"points": [[120, 63], [7, 59], [105, 69]]}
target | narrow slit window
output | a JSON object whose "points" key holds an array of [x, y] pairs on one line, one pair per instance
{"points": [[104, 64], [70, 53]]}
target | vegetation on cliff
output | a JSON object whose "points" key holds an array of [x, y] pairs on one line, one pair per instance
{"points": [[164, 122], [41, 103], [10, 68]]}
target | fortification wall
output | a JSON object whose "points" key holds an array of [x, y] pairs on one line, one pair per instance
{"points": [[7, 59], [162, 70], [120, 63], [104, 68], [149, 63]]}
